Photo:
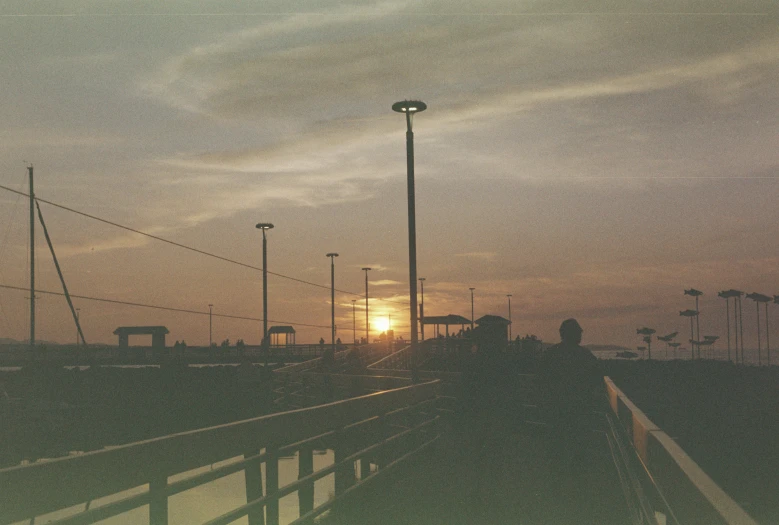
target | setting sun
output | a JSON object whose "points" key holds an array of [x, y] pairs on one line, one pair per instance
{"points": [[380, 324]]}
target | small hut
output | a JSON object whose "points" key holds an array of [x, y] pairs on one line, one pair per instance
{"points": [[275, 333]]}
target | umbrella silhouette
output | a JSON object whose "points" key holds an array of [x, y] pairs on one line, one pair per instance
{"points": [[675, 346]]}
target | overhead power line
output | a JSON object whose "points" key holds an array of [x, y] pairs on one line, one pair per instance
{"points": [[168, 308], [190, 248]]}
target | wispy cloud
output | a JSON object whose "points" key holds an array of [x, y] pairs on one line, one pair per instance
{"points": [[384, 282], [484, 256]]}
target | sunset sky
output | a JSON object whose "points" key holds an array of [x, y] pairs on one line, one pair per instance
{"points": [[591, 158]]}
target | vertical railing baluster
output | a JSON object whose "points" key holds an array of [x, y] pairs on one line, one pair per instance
{"points": [[365, 467], [272, 484], [344, 475], [306, 467], [253, 478], [158, 500]]}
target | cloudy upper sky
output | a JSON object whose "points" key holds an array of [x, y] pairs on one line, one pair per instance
{"points": [[591, 158]]}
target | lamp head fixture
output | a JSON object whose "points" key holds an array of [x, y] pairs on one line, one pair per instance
{"points": [[409, 106]]}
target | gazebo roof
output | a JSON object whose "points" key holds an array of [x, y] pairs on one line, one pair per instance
{"points": [[446, 319], [281, 329], [492, 320], [141, 330]]}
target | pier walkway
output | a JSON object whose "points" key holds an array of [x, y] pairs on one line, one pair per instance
{"points": [[404, 450]]}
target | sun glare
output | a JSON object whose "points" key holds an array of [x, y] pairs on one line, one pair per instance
{"points": [[380, 324]]}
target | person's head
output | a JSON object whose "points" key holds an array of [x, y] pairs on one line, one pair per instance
{"points": [[571, 332]]}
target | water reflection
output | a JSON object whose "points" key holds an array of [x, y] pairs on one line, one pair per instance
{"points": [[207, 501]]}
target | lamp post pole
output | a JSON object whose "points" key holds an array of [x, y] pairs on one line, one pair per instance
{"points": [[367, 326], [509, 296], [354, 322], [409, 107], [332, 298], [210, 332], [422, 307], [471, 289], [265, 226]]}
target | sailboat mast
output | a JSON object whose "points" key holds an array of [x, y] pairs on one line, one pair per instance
{"points": [[32, 260]]}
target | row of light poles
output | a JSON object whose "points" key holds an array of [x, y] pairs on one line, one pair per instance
{"points": [[409, 108]]}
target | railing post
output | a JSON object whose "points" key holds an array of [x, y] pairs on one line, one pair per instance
{"points": [[158, 500], [253, 479], [344, 475], [306, 467], [272, 484]]}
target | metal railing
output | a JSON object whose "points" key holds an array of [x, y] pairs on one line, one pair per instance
{"points": [[673, 483], [359, 428]]}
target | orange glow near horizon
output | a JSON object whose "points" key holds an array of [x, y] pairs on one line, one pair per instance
{"points": [[380, 324]]}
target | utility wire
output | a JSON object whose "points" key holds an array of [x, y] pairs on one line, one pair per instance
{"points": [[170, 309], [184, 246]]}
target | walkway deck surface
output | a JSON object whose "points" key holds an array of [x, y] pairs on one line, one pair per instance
{"points": [[485, 472]]}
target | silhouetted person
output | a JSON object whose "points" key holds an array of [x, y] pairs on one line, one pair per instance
{"points": [[573, 384]]}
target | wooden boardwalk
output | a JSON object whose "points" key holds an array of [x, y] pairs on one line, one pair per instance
{"points": [[492, 471]]}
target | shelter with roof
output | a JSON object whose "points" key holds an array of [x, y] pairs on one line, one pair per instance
{"points": [[157, 334], [275, 332], [446, 321], [492, 329]]}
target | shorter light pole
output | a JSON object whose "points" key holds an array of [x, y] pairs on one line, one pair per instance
{"points": [[210, 332], [509, 296], [354, 321], [332, 256], [367, 325], [471, 289], [265, 226], [422, 307]]}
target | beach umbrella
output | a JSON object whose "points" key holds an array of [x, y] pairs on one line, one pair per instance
{"points": [[675, 346], [690, 314]]}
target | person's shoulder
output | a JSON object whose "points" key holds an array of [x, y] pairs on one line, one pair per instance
{"points": [[585, 352]]}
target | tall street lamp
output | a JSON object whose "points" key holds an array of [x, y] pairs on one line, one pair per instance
{"points": [[471, 289], [265, 226], [509, 296], [210, 333], [367, 325], [409, 107], [332, 298], [422, 306]]}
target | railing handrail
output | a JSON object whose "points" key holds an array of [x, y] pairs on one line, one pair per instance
{"points": [[660, 452], [391, 357], [59, 483]]}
